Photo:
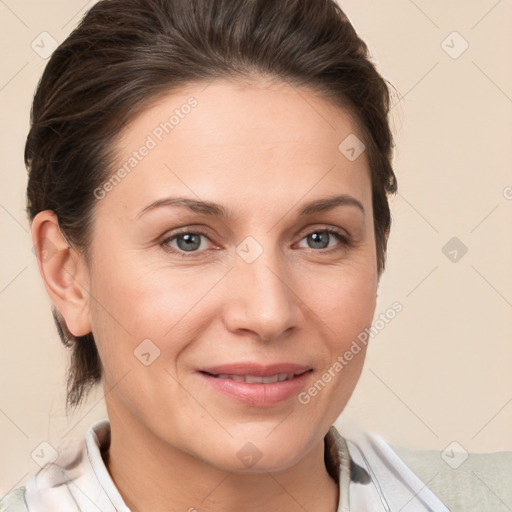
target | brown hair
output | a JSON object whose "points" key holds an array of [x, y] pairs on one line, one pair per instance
{"points": [[124, 54]]}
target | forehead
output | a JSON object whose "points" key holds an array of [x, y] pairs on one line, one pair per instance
{"points": [[239, 139]]}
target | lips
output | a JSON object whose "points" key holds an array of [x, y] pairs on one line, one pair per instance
{"points": [[256, 373], [253, 379], [255, 384]]}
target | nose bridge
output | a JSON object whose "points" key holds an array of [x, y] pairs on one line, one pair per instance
{"points": [[265, 302]]}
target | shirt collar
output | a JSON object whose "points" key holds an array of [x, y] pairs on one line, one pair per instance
{"points": [[336, 457]]}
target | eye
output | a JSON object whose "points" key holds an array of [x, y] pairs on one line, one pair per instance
{"points": [[322, 238], [194, 243], [186, 242]]}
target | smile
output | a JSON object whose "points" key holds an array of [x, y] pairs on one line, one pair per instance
{"points": [[257, 385], [254, 379]]}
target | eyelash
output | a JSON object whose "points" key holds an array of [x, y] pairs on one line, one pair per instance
{"points": [[344, 239]]}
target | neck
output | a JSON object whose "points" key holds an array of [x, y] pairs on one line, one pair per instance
{"points": [[150, 475]]}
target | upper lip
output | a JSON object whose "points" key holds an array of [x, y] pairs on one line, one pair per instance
{"points": [[257, 370]]}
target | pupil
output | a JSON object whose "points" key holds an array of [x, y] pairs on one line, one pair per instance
{"points": [[319, 238], [189, 242]]}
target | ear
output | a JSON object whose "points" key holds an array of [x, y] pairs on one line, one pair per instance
{"points": [[64, 272]]}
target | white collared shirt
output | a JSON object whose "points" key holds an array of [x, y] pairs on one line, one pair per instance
{"points": [[369, 473]]}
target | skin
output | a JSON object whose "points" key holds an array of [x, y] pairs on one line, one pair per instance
{"points": [[262, 150]]}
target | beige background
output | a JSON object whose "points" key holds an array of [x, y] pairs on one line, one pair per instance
{"points": [[440, 371]]}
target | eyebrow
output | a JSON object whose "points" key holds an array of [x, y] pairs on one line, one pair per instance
{"points": [[217, 210]]}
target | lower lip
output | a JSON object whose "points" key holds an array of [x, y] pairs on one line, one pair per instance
{"points": [[258, 394]]}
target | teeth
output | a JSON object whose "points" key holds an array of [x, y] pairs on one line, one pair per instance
{"points": [[253, 379]]}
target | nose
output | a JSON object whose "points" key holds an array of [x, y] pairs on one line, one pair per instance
{"points": [[261, 299]]}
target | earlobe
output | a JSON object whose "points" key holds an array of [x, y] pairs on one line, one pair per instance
{"points": [[64, 272]]}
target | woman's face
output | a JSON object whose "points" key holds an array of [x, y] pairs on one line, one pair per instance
{"points": [[181, 294]]}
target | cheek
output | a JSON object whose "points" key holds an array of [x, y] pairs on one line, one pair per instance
{"points": [[344, 313], [343, 300], [345, 308], [131, 305]]}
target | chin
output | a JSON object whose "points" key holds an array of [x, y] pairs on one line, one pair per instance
{"points": [[255, 454]]}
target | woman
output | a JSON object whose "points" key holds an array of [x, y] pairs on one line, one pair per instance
{"points": [[208, 196]]}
